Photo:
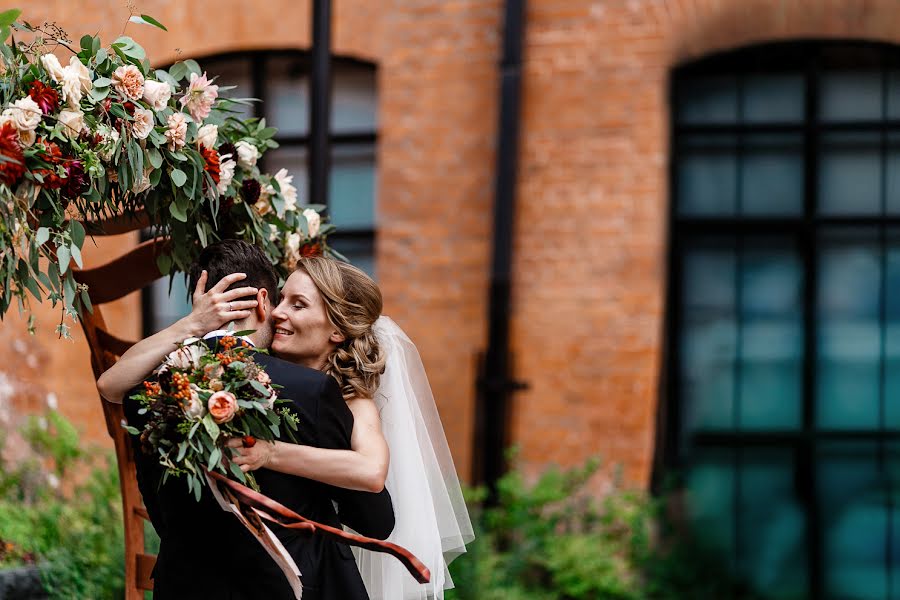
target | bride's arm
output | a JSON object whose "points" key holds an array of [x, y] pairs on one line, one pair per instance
{"points": [[210, 311], [364, 467]]}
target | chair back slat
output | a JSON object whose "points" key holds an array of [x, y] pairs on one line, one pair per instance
{"points": [[128, 273]]}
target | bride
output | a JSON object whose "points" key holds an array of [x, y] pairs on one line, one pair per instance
{"points": [[329, 318]]}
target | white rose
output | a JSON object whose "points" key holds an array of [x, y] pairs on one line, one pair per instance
{"points": [[157, 93], [52, 66], [226, 172], [143, 123], [247, 154], [24, 114], [71, 88], [288, 191], [78, 70], [72, 121], [27, 138], [186, 357], [293, 245], [194, 408], [207, 136], [313, 222]]}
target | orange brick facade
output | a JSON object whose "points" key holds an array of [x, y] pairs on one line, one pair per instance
{"points": [[590, 234]]}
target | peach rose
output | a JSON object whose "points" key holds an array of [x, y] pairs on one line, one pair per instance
{"points": [[157, 93], [129, 82], [263, 377], [222, 406], [142, 124], [176, 131]]}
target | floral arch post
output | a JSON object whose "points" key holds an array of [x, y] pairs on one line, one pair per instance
{"points": [[100, 143]]}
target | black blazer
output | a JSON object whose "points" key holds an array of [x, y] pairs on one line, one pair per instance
{"points": [[207, 553]]}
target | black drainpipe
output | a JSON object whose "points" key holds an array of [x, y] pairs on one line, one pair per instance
{"points": [[495, 384], [319, 158]]}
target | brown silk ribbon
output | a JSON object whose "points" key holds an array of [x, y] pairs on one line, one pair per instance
{"points": [[269, 509]]}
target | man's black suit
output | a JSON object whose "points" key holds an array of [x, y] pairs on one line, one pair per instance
{"points": [[207, 553]]}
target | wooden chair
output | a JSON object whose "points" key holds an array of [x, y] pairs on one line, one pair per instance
{"points": [[111, 281]]}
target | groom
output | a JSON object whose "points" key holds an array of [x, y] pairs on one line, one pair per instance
{"points": [[204, 552]]}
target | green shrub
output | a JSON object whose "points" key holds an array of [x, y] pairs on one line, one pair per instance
{"points": [[551, 540]]}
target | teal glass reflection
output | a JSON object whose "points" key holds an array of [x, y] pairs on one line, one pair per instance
{"points": [[709, 342], [771, 525], [851, 96], [771, 337], [892, 174], [287, 101], [709, 504], [773, 97], [892, 331], [772, 175], [352, 194], [849, 334], [167, 307], [853, 500], [707, 100], [850, 174], [707, 176]]}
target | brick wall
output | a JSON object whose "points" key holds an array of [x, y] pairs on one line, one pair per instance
{"points": [[590, 248]]}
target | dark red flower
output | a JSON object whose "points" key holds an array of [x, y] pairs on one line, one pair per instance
{"points": [[311, 249], [250, 190], [52, 155], [211, 159], [228, 148], [129, 107], [12, 159], [45, 96], [76, 181]]}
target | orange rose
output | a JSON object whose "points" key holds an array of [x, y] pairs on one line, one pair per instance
{"points": [[222, 406]]}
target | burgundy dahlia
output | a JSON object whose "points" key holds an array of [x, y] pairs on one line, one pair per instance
{"points": [[228, 148], [12, 159], [76, 181], [45, 96], [250, 190]]}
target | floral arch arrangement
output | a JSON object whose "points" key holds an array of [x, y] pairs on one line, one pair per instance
{"points": [[104, 135]]}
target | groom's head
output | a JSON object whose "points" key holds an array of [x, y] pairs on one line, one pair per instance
{"points": [[237, 256]]}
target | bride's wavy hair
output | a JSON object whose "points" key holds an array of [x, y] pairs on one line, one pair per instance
{"points": [[352, 303]]}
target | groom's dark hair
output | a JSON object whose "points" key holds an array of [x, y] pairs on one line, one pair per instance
{"points": [[235, 256]]}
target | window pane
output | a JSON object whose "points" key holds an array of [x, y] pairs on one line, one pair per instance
{"points": [[233, 72], [774, 98], [287, 101], [354, 106], [292, 158], [892, 332], [166, 308], [850, 174], [893, 94], [772, 175], [707, 100], [709, 505], [771, 524], [360, 252], [352, 194], [851, 96], [853, 499], [849, 333], [892, 174], [709, 339], [707, 177], [771, 334]]}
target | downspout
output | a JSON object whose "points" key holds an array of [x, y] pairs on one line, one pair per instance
{"points": [[495, 385], [319, 157]]}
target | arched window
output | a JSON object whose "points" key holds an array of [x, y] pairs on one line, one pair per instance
{"points": [[784, 314], [280, 79]]}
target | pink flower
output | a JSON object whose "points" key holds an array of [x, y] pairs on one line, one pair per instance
{"points": [[129, 82], [222, 406], [176, 131], [263, 377], [199, 97]]}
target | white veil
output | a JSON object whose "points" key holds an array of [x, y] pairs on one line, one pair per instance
{"points": [[432, 521]]}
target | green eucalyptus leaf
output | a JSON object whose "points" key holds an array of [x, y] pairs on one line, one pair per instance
{"points": [[8, 17], [178, 212], [102, 82], [64, 256], [43, 234], [76, 230], [76, 255], [178, 177], [147, 20], [154, 157]]}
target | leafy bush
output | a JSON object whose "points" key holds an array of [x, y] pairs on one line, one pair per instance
{"points": [[75, 537], [551, 540]]}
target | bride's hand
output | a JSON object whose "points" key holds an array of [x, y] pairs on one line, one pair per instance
{"points": [[252, 458], [212, 309]]}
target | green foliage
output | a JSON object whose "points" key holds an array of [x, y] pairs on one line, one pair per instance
{"points": [[75, 537], [551, 540]]}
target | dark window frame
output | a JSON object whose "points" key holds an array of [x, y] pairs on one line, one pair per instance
{"points": [[673, 443]]}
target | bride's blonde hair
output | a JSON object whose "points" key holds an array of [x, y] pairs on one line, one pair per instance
{"points": [[352, 304]]}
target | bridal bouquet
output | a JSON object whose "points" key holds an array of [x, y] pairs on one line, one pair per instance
{"points": [[100, 134], [203, 396]]}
